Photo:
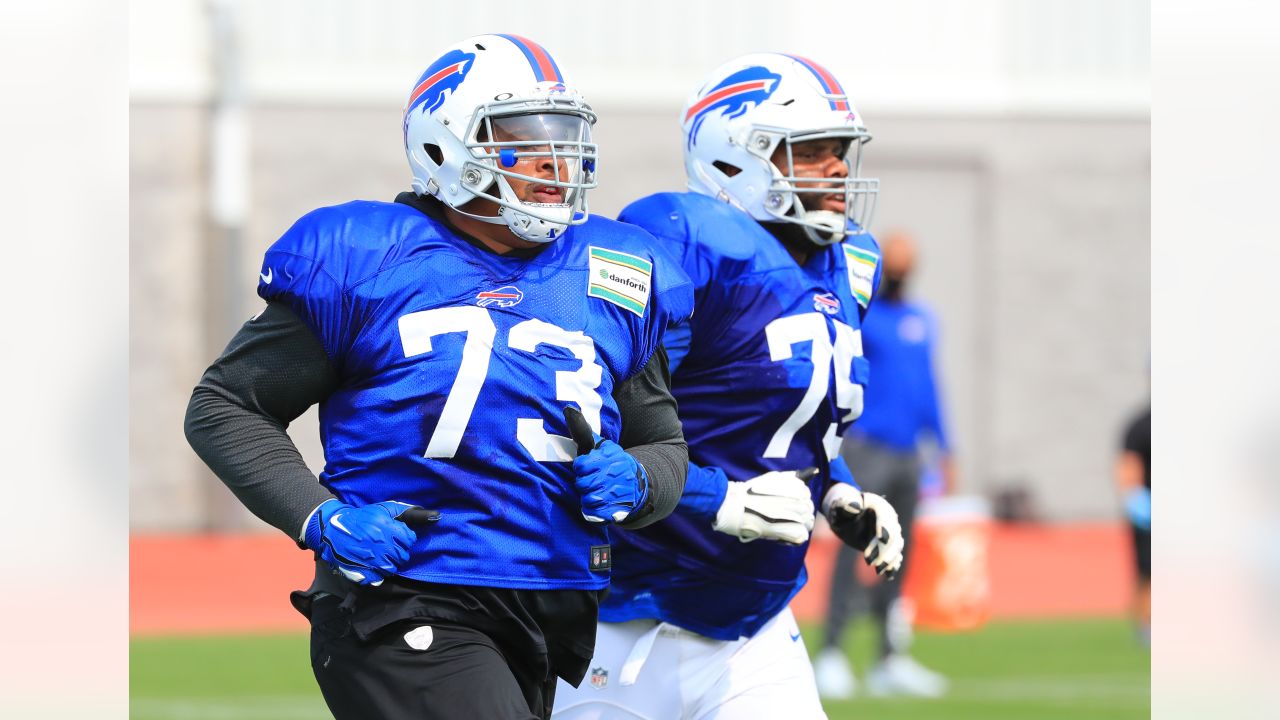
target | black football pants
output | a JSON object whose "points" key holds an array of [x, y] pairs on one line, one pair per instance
{"points": [[403, 672]]}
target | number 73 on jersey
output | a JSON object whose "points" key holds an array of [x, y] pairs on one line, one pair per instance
{"points": [[577, 386]]}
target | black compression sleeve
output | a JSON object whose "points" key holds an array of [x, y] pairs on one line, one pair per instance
{"points": [[271, 372], [651, 433]]}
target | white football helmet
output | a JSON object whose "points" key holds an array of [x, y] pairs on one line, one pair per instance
{"points": [[483, 106], [736, 120]]}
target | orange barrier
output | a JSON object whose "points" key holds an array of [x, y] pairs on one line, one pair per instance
{"points": [[241, 583], [949, 578]]}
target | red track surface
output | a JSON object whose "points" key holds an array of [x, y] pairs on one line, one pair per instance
{"points": [[1036, 571], [240, 583]]}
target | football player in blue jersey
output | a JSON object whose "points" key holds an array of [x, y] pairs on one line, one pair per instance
{"points": [[768, 374], [493, 399]]}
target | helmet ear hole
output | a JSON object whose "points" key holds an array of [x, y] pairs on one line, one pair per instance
{"points": [[726, 168], [433, 151]]}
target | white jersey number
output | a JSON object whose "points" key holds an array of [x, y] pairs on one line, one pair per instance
{"points": [[785, 332], [577, 386]]}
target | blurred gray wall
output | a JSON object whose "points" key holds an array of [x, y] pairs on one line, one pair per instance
{"points": [[1035, 245], [1012, 139]]}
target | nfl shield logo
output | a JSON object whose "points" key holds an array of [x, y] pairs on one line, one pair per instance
{"points": [[599, 678]]}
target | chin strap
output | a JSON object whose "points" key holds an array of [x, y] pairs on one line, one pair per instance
{"points": [[491, 219]]}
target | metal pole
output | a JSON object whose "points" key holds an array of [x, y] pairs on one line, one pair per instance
{"points": [[228, 205]]}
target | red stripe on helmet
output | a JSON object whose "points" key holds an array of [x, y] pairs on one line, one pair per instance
{"points": [[426, 84], [545, 65], [829, 82], [723, 93]]}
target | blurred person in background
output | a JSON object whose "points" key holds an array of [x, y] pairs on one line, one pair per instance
{"points": [[480, 347], [903, 410], [1133, 479], [768, 375]]}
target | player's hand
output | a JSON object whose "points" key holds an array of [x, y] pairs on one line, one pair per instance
{"points": [[368, 543], [866, 522], [775, 506], [1137, 506], [611, 482]]}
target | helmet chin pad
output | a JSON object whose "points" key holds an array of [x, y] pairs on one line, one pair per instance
{"points": [[532, 229], [824, 227]]}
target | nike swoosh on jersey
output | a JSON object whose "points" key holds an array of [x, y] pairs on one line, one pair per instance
{"points": [[268, 277]]}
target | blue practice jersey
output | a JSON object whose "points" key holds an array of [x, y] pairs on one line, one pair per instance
{"points": [[455, 366], [771, 377], [904, 403]]}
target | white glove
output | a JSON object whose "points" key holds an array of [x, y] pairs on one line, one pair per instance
{"points": [[867, 522], [775, 506]]}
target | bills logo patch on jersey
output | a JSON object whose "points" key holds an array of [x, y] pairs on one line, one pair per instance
{"points": [[619, 278], [862, 272], [826, 303], [502, 297]]}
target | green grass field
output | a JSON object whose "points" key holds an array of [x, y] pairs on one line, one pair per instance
{"points": [[1043, 670]]}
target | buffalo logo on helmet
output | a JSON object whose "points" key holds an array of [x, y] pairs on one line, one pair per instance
{"points": [[503, 297], [732, 97], [444, 75]]}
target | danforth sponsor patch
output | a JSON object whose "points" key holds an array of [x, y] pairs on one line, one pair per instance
{"points": [[619, 278], [862, 272]]}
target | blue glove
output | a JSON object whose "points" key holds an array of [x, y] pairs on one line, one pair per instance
{"points": [[1137, 505], [612, 483], [366, 544]]}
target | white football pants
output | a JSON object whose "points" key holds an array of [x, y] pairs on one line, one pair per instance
{"points": [[654, 671]]}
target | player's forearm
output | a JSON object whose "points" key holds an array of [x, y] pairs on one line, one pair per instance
{"points": [[651, 433], [666, 465], [840, 472], [270, 373], [256, 460], [704, 491]]}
